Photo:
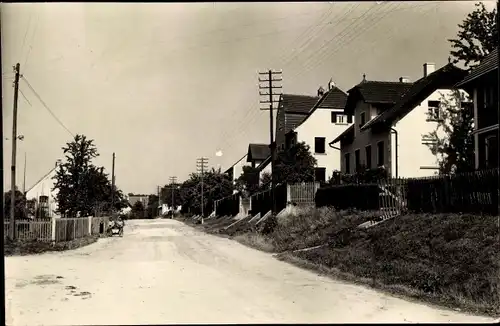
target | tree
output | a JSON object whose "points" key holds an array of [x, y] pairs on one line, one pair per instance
{"points": [[248, 182], [20, 211], [82, 187], [265, 181], [152, 208], [477, 36], [295, 165], [217, 185], [138, 210], [453, 141], [166, 194]]}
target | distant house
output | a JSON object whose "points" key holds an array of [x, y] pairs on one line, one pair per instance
{"points": [[133, 199], [44, 196], [326, 119], [292, 111], [391, 121], [257, 153], [482, 84]]}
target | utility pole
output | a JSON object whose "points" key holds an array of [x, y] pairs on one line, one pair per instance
{"points": [[24, 178], [159, 200], [272, 76], [173, 182], [17, 69], [113, 187], [201, 165]]}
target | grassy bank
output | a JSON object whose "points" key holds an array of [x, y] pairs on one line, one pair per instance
{"points": [[22, 248], [448, 259]]}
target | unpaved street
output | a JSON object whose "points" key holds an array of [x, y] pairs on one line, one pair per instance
{"points": [[163, 271]]}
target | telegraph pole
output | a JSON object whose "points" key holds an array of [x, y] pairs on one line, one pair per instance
{"points": [[17, 69], [158, 190], [173, 182], [113, 187], [272, 76], [201, 165], [24, 177]]}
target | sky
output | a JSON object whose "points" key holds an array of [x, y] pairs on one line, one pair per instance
{"points": [[162, 84]]}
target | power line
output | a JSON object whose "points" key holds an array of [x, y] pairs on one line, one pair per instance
{"points": [[25, 98], [46, 106], [31, 42]]}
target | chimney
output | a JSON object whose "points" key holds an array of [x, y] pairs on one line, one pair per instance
{"points": [[404, 79], [331, 84], [429, 68], [321, 91]]}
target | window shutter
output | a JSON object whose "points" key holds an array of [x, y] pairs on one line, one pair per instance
{"points": [[334, 117]]}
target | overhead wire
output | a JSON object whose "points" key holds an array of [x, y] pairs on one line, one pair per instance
{"points": [[31, 42], [46, 106]]}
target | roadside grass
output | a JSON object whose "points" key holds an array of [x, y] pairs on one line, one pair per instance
{"points": [[22, 248], [448, 259], [452, 260]]}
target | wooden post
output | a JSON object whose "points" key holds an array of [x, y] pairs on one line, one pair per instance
{"points": [[53, 229]]}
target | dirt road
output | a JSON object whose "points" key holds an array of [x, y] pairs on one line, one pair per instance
{"points": [[163, 271]]}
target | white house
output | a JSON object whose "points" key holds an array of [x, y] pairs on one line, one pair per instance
{"points": [[325, 120], [44, 195], [391, 120], [236, 169]]}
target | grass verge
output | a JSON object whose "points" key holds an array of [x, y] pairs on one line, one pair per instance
{"points": [[22, 248]]}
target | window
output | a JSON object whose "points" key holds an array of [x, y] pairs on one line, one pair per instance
{"points": [[349, 118], [433, 111], [319, 145], [320, 174], [429, 140], [368, 152], [338, 118], [362, 119], [347, 163], [380, 153], [356, 159]]}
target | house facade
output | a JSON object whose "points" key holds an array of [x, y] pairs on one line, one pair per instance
{"points": [[392, 121], [44, 197], [235, 171], [482, 84], [325, 120]]}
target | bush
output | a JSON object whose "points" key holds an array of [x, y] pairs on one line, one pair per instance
{"points": [[358, 196], [21, 248]]}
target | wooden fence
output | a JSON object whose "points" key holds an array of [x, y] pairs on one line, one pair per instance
{"points": [[57, 229]]}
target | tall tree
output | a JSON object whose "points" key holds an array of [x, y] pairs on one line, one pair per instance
{"points": [[152, 207], [295, 165], [453, 141], [477, 36], [138, 210], [166, 194]]}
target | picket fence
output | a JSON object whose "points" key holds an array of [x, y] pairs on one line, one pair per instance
{"points": [[57, 229]]}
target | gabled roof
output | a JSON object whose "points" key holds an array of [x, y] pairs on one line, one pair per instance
{"points": [[349, 132], [238, 161], [489, 63], [264, 163], [443, 78], [41, 179], [258, 152], [298, 103], [375, 92], [335, 98]]}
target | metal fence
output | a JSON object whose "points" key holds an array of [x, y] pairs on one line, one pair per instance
{"points": [[57, 229]]}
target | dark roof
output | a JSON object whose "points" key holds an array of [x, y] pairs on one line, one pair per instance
{"points": [[264, 163], [298, 103], [335, 98], [235, 163], [489, 63], [348, 132], [443, 78], [258, 152], [375, 92]]}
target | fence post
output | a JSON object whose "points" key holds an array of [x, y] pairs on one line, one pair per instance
{"points": [[288, 194], [90, 225], [53, 229]]}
